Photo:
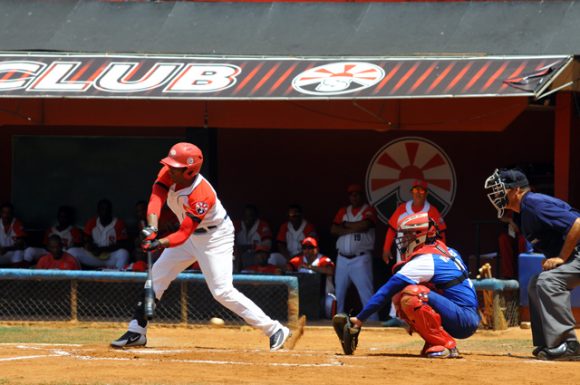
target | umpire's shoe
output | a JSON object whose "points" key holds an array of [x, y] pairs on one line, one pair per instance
{"points": [[278, 339], [130, 339], [567, 351]]}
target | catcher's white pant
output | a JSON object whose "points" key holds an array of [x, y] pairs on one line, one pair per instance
{"points": [[213, 250]]}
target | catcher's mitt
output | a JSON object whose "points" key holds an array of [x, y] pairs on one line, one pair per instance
{"points": [[346, 332]]}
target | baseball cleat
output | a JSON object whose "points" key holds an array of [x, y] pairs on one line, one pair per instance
{"points": [[441, 352], [130, 339], [567, 351], [537, 350], [278, 339]]}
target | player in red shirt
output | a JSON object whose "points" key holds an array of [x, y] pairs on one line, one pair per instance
{"points": [[56, 257], [261, 254], [70, 235], [311, 261], [417, 204]]}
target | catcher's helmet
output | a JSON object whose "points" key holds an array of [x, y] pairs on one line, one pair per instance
{"points": [[413, 232], [185, 155]]}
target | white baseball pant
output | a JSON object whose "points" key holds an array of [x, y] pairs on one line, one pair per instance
{"points": [[213, 250]]}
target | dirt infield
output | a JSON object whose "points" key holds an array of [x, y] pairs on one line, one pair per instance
{"points": [[207, 355]]}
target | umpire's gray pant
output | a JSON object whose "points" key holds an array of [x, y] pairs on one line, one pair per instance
{"points": [[550, 309]]}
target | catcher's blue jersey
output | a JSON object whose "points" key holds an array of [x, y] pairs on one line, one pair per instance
{"points": [[457, 304], [439, 269]]}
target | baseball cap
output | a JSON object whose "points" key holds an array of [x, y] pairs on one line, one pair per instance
{"points": [[513, 178], [419, 183], [309, 241], [354, 188]]}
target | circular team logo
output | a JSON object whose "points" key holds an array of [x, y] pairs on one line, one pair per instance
{"points": [[394, 167], [201, 207], [338, 78]]}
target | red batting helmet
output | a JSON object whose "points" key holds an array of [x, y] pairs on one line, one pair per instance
{"points": [[185, 155]]}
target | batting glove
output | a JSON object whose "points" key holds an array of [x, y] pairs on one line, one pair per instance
{"points": [[151, 245], [149, 233]]}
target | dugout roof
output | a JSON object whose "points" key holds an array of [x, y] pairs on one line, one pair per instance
{"points": [[290, 50]]}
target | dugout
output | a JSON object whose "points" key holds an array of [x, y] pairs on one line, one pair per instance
{"points": [[273, 145]]}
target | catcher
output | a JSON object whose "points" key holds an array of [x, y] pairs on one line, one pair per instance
{"points": [[430, 289]]}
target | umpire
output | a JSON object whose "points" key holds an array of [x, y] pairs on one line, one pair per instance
{"points": [[553, 228]]}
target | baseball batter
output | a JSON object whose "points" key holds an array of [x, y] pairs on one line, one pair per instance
{"points": [[205, 235], [430, 289], [355, 227]]}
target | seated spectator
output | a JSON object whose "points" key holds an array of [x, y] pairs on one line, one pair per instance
{"points": [[291, 235], [57, 258], [251, 232], [310, 261], [105, 240], [261, 254], [511, 243], [70, 235], [12, 237]]}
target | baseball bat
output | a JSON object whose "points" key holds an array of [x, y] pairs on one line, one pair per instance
{"points": [[149, 303]]}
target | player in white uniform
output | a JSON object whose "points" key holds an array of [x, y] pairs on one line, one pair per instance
{"points": [[355, 227], [11, 237], [205, 235]]}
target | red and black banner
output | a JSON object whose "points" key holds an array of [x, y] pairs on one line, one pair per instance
{"points": [[167, 77]]}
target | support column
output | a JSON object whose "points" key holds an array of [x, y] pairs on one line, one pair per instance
{"points": [[562, 138]]}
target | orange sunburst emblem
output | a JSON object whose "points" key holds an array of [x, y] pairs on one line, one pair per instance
{"points": [[338, 78], [397, 164]]}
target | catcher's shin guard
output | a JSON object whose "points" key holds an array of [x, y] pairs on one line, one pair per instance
{"points": [[413, 308], [346, 332]]}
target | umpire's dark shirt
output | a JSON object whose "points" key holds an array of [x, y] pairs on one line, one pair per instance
{"points": [[545, 221]]}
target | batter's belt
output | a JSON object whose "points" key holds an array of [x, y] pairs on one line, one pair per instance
{"points": [[203, 230]]}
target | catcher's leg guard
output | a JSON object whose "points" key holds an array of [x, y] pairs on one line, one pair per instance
{"points": [[421, 317]]}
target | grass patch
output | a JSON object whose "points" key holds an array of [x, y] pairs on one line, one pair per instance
{"points": [[56, 335]]}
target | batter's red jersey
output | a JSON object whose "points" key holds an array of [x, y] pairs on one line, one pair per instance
{"points": [[66, 262], [198, 202]]}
